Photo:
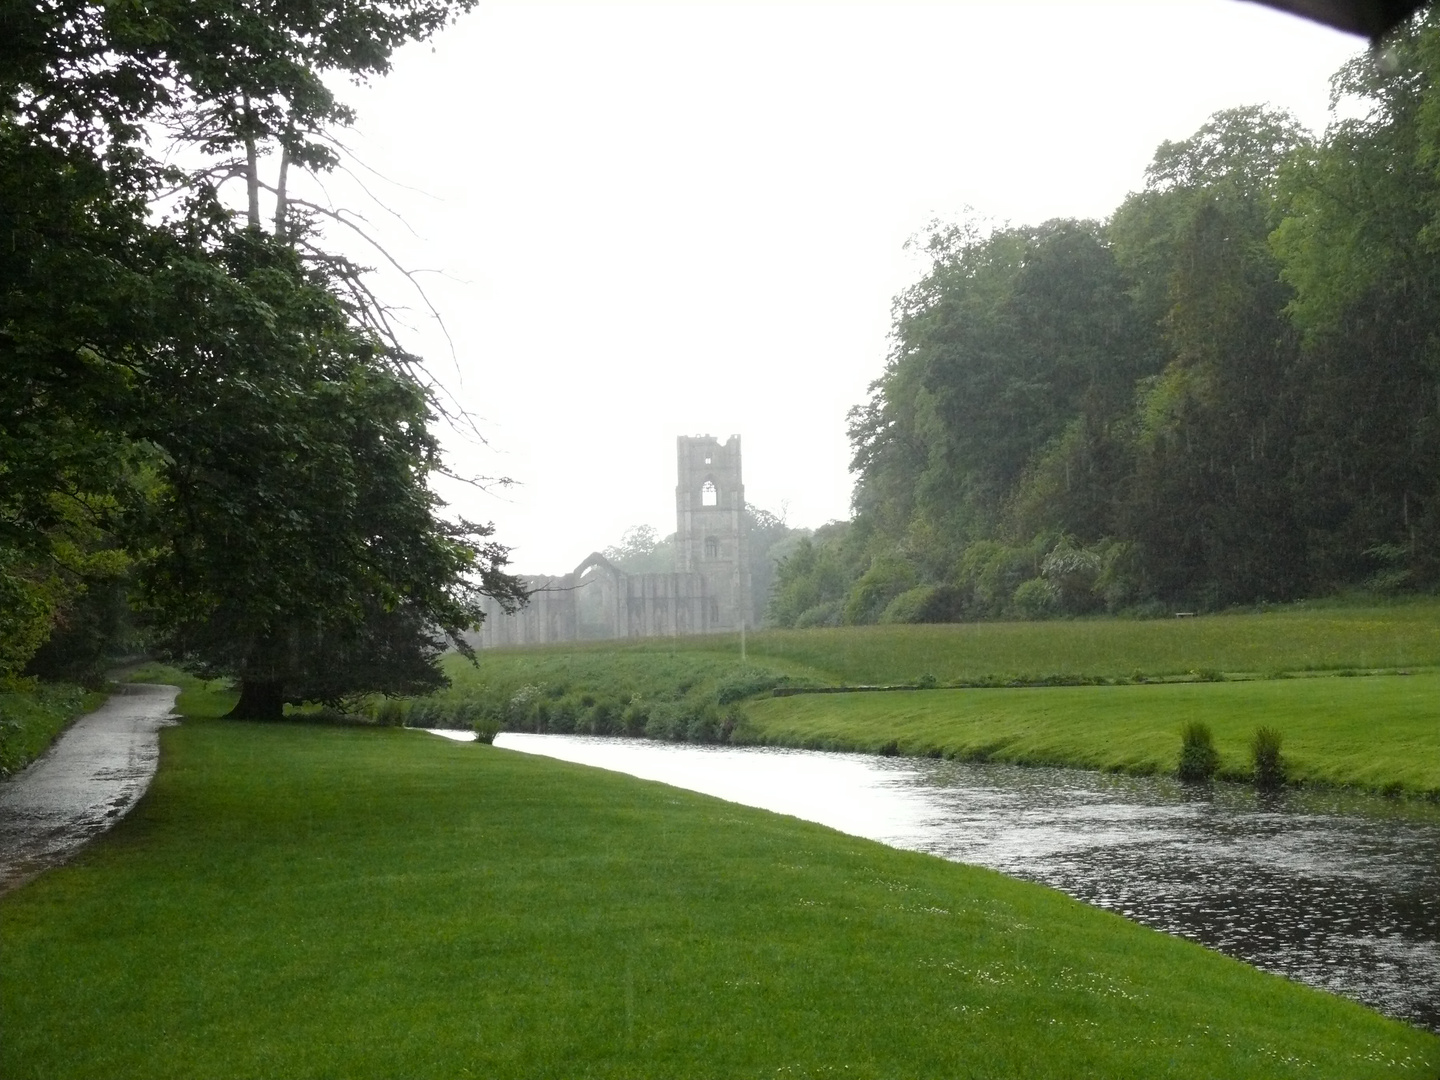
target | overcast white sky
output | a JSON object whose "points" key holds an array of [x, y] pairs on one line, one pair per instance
{"points": [[677, 219]]}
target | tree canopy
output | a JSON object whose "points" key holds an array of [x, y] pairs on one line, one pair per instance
{"points": [[211, 410], [1227, 392]]}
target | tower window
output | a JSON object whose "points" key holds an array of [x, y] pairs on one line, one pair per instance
{"points": [[708, 495], [707, 459], [712, 548]]}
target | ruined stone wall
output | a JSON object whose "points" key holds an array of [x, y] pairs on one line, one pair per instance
{"points": [[709, 591], [710, 534]]}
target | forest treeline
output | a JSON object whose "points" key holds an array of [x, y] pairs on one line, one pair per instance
{"points": [[1228, 392]]}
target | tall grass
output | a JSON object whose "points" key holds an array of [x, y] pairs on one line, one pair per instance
{"points": [[1199, 759], [1265, 755]]}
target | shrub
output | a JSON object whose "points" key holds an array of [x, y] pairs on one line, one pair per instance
{"points": [[635, 718], [390, 712], [1198, 756], [926, 604], [486, 728], [911, 605], [1036, 598], [1265, 753], [667, 720], [827, 614], [745, 684]]}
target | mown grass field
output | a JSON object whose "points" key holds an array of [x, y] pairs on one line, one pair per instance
{"points": [[1380, 733], [1377, 732], [308, 901], [1295, 639]]}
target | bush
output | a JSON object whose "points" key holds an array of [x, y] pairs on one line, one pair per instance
{"points": [[1036, 598], [486, 728], [910, 606], [828, 614], [1198, 756], [390, 712], [745, 684], [1265, 754]]}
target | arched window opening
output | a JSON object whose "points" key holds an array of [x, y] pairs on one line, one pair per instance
{"points": [[712, 548], [708, 495]]}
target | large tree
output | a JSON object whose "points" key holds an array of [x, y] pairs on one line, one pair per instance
{"points": [[226, 397]]}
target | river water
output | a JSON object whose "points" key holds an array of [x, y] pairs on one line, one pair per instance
{"points": [[1335, 890]]}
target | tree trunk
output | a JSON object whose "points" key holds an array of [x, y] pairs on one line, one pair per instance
{"points": [[252, 170], [259, 701], [282, 228]]}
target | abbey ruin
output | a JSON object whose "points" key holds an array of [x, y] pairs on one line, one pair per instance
{"points": [[708, 591]]}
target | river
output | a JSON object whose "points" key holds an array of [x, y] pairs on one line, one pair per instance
{"points": [[1332, 889]]}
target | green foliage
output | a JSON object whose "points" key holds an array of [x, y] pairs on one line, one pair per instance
{"points": [[1036, 598], [1199, 759], [222, 414], [814, 574], [1265, 756], [911, 606], [642, 551], [1224, 394], [887, 578], [32, 716]]}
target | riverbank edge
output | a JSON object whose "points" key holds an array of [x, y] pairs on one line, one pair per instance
{"points": [[998, 746], [840, 745], [884, 893]]}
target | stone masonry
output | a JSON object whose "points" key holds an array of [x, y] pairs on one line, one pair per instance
{"points": [[708, 592]]}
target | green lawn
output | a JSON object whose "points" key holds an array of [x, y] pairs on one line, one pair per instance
{"points": [[1296, 638], [1376, 732], [33, 715], [1380, 732], [305, 901]]}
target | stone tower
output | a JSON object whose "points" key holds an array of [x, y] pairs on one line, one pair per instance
{"points": [[710, 528]]}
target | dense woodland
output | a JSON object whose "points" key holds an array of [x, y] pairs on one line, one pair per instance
{"points": [[211, 439], [1228, 392]]}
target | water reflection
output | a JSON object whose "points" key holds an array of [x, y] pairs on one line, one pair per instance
{"points": [[1338, 891]]}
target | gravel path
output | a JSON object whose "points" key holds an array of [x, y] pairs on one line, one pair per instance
{"points": [[84, 783]]}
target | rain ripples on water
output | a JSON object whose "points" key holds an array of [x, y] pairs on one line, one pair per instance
{"points": [[1335, 890]]}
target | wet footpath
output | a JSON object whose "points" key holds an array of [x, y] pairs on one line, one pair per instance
{"points": [[85, 782]]}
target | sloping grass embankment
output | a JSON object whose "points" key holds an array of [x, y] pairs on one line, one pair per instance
{"points": [[33, 715], [306, 901], [1293, 639], [1380, 733]]}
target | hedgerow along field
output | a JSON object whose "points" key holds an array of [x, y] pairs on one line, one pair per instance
{"points": [[302, 900], [1141, 682]]}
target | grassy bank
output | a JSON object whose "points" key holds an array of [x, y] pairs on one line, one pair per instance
{"points": [[1380, 733], [1145, 680], [1296, 639], [300, 901], [32, 716]]}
